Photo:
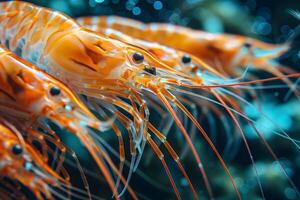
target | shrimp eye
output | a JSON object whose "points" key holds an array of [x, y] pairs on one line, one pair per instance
{"points": [[138, 57], [186, 59], [54, 91], [150, 70], [248, 45], [17, 150]]}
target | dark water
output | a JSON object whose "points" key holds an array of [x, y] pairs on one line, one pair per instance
{"points": [[267, 20]]}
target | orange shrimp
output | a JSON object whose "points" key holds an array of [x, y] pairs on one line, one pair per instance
{"points": [[172, 57], [219, 53], [19, 161], [225, 52], [109, 70], [39, 141], [179, 60], [28, 94]]}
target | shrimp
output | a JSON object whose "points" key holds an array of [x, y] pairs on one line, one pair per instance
{"points": [[180, 60], [40, 140], [31, 166], [108, 70], [225, 52], [218, 53], [19, 161], [27, 95]]}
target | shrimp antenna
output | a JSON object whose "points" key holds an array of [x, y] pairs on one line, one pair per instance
{"points": [[294, 13]]}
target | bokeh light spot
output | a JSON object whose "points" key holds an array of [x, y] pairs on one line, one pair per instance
{"points": [[136, 11], [290, 193], [158, 5], [264, 28]]}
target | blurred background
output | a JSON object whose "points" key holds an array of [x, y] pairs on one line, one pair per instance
{"points": [[268, 20]]}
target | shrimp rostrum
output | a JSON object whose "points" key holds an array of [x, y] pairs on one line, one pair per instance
{"points": [[112, 72]]}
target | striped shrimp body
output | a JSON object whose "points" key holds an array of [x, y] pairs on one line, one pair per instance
{"points": [[28, 94], [20, 162], [225, 52], [177, 59], [219, 53]]}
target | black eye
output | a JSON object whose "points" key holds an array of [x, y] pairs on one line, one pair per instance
{"points": [[138, 57], [150, 70], [186, 59], [17, 150], [248, 45], [54, 91]]}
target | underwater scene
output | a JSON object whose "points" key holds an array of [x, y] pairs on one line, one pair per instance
{"points": [[150, 99]]}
